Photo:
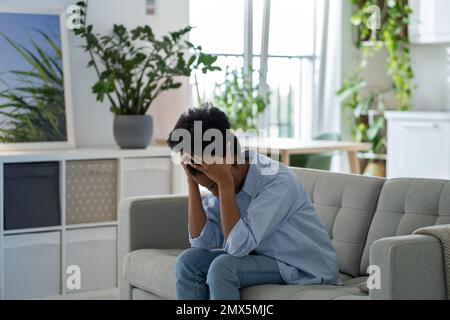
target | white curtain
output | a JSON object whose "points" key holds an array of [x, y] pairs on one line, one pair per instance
{"points": [[327, 107]]}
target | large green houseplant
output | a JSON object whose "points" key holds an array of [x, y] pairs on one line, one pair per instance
{"points": [[133, 68]]}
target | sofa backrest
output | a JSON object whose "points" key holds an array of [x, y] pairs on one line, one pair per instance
{"points": [[346, 205], [406, 205]]}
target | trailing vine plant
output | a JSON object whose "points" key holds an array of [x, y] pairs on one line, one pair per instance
{"points": [[393, 36]]}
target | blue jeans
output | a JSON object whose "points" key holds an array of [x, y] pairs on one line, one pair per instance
{"points": [[215, 275]]}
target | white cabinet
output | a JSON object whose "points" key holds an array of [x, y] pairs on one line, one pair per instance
{"points": [[85, 190], [430, 22], [418, 145], [146, 177]]}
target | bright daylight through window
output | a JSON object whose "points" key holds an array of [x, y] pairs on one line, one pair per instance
{"points": [[277, 36]]}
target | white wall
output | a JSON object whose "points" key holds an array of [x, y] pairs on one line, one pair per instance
{"points": [[431, 65], [431, 83], [350, 59], [172, 15], [93, 120]]}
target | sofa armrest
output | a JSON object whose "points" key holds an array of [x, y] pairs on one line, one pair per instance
{"points": [[157, 222], [411, 268]]}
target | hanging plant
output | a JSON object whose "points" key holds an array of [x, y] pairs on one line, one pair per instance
{"points": [[393, 35], [395, 38]]}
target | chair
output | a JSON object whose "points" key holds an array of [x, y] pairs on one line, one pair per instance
{"points": [[316, 161]]}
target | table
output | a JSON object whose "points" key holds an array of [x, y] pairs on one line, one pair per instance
{"points": [[287, 147]]}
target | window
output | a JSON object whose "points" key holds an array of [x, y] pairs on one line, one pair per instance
{"points": [[235, 31]]}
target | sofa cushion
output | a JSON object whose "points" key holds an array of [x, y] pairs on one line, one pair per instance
{"points": [[353, 298], [345, 204], [316, 292], [152, 270], [139, 294], [406, 205]]}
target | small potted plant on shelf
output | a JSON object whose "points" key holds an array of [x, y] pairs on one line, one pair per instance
{"points": [[133, 68]]}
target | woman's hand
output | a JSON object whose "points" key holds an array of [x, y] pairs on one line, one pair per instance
{"points": [[185, 162], [218, 172]]}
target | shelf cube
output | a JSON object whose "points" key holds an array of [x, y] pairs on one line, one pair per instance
{"points": [[31, 195], [91, 191]]}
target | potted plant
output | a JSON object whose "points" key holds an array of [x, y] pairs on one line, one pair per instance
{"points": [[240, 99], [133, 68]]}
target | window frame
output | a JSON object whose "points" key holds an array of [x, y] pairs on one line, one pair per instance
{"points": [[303, 116]]}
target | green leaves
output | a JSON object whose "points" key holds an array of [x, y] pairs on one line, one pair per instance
{"points": [[134, 67], [99, 89], [207, 61], [177, 35], [143, 33], [34, 109], [81, 4], [240, 99], [351, 87], [393, 37]]}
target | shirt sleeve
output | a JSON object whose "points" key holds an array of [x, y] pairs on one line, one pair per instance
{"points": [[211, 236], [265, 214]]}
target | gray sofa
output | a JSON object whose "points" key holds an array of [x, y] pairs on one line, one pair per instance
{"points": [[370, 222]]}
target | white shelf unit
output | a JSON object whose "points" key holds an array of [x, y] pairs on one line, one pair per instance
{"points": [[33, 261]]}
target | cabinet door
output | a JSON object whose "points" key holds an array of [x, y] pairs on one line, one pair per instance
{"points": [[146, 177], [430, 21], [32, 265], [91, 191], [31, 193], [419, 149], [94, 252]]}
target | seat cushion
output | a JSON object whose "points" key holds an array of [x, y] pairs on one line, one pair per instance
{"points": [[152, 271], [316, 292], [139, 294], [353, 298]]}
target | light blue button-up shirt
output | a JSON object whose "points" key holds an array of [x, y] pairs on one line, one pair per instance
{"points": [[278, 220]]}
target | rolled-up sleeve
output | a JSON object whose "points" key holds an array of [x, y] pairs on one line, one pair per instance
{"points": [[211, 236], [265, 214]]}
